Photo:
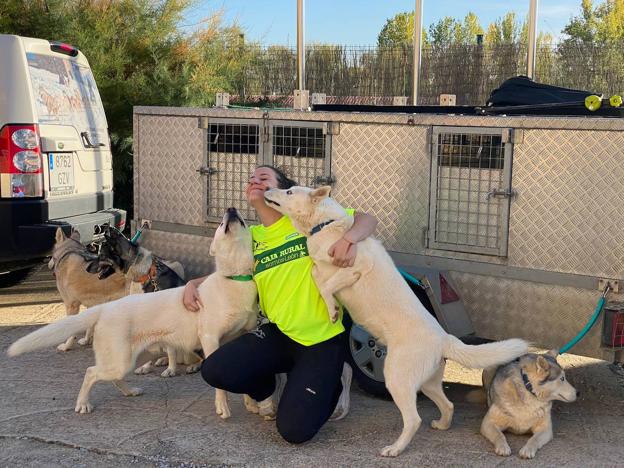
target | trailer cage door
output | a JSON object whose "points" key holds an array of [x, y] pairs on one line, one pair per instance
{"points": [[235, 147], [470, 190]]}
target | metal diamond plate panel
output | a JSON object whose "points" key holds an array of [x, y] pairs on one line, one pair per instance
{"points": [[568, 214], [169, 188], [191, 251], [571, 123], [384, 170], [546, 315]]}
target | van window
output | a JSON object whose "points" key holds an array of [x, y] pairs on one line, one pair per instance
{"points": [[66, 94]]}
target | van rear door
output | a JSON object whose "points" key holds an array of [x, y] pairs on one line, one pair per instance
{"points": [[72, 127]]}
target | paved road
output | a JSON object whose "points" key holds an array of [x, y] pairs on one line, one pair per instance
{"points": [[173, 423]]}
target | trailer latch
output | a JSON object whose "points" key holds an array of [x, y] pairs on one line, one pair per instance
{"points": [[206, 170]]}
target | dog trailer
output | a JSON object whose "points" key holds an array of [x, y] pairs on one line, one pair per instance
{"points": [[523, 214]]}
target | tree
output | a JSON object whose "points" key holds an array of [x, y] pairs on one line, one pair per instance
{"points": [[584, 27], [399, 30]]}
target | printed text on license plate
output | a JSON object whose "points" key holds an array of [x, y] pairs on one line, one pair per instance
{"points": [[61, 172]]}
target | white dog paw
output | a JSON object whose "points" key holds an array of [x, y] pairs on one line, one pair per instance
{"points": [[390, 451], [84, 342], [266, 409], [168, 372], [63, 347], [135, 391], [144, 369], [440, 425], [83, 408], [527, 452], [251, 404], [223, 409], [162, 361], [503, 450], [193, 368]]}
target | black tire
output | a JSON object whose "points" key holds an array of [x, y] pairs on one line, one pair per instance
{"points": [[366, 357], [14, 277]]}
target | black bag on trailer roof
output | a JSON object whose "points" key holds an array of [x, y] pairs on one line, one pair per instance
{"points": [[521, 90]]}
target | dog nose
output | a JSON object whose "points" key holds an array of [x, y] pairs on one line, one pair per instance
{"points": [[578, 394], [231, 210]]}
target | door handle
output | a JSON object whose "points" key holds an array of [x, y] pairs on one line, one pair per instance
{"points": [[204, 170], [507, 193]]}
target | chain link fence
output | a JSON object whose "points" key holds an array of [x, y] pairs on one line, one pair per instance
{"points": [[372, 75]]}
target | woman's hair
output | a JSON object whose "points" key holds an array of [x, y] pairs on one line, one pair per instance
{"points": [[283, 181]]}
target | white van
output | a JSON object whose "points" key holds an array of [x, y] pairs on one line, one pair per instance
{"points": [[55, 156]]}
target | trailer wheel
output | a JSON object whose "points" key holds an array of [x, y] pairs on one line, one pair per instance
{"points": [[366, 356]]}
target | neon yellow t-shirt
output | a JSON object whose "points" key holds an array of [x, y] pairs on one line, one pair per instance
{"points": [[288, 294]]}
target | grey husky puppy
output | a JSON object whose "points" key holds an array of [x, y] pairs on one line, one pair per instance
{"points": [[520, 396]]}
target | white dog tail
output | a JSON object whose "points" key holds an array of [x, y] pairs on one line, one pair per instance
{"points": [[484, 355], [56, 332]]}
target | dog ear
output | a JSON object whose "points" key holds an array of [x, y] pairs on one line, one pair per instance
{"points": [[106, 271], [320, 193], [542, 364], [553, 352], [75, 235], [60, 235]]}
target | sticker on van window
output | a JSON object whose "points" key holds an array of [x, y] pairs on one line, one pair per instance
{"points": [[66, 94]]}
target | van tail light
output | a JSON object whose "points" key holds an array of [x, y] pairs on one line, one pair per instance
{"points": [[21, 164]]}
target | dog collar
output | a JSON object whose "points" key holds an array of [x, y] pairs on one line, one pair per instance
{"points": [[318, 227], [240, 277], [151, 275], [527, 383]]}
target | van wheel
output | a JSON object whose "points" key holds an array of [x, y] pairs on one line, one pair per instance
{"points": [[366, 356], [12, 278]]}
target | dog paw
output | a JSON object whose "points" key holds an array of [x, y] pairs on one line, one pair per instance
{"points": [[440, 425], [527, 452], [223, 409], [83, 408], [135, 391], [193, 368], [144, 369], [168, 372], [251, 404], [503, 450], [63, 347], [84, 342], [266, 409], [162, 361], [390, 451]]}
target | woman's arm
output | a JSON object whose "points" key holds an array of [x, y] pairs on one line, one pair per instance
{"points": [[190, 298], [344, 250]]}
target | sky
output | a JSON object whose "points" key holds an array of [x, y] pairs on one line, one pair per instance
{"points": [[358, 22]]}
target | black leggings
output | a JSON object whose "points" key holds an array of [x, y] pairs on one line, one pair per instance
{"points": [[249, 363]]}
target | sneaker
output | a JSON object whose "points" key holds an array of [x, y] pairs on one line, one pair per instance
{"points": [[344, 401]]}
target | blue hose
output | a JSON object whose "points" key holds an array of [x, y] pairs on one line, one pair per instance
{"points": [[588, 325], [410, 278]]}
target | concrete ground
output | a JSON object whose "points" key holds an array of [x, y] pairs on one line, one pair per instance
{"points": [[174, 424]]}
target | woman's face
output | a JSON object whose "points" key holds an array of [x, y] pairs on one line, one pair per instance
{"points": [[262, 179]]}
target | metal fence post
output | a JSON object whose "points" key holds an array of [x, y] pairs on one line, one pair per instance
{"points": [[417, 50], [532, 45], [300, 47]]}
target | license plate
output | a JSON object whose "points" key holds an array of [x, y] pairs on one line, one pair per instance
{"points": [[61, 173]]}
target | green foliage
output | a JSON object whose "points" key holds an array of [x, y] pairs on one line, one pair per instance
{"points": [[138, 56]]}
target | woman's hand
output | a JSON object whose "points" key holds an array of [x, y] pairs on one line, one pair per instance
{"points": [[343, 252], [191, 300]]}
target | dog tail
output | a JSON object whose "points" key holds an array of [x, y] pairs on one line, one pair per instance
{"points": [[56, 332], [484, 355]]}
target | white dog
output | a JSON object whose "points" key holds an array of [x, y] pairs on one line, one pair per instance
{"points": [[378, 298], [126, 327]]}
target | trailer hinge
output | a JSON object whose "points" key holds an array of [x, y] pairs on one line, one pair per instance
{"points": [[203, 122], [333, 128], [425, 237], [512, 135]]}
